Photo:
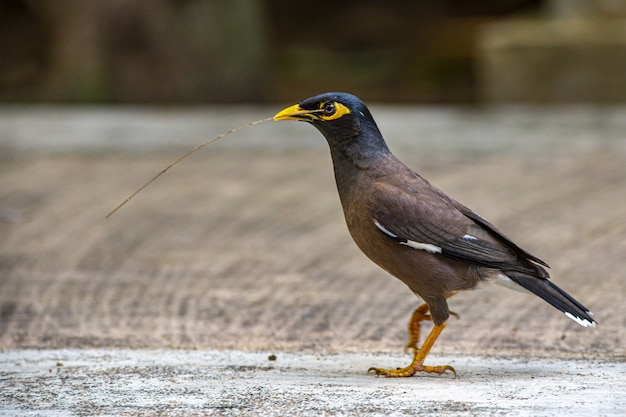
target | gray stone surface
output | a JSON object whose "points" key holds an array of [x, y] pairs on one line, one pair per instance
{"points": [[234, 383]]}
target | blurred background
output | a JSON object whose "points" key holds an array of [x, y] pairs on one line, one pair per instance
{"points": [[514, 107], [192, 51]]}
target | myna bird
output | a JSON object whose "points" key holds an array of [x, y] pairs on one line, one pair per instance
{"points": [[414, 231]]}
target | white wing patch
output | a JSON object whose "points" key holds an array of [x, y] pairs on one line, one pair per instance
{"points": [[422, 246], [410, 243]]}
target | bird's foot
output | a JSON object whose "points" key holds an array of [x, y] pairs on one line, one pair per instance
{"points": [[417, 365], [412, 370]]}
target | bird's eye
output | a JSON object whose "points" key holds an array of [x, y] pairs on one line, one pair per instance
{"points": [[329, 109]]}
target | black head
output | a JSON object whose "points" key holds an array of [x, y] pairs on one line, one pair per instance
{"points": [[339, 116], [347, 125]]}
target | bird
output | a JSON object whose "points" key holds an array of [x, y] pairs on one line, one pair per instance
{"points": [[414, 231]]}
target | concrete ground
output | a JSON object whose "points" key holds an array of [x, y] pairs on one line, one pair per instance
{"points": [[175, 304], [230, 383]]}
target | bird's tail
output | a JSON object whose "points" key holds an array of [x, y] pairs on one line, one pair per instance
{"points": [[555, 296]]}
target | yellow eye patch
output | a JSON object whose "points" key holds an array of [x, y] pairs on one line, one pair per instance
{"points": [[332, 110]]}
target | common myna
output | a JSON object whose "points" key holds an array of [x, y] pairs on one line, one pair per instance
{"points": [[411, 229]]}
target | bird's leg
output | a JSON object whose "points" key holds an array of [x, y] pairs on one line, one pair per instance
{"points": [[418, 316], [418, 360]]}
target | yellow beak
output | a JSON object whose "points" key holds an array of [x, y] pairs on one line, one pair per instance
{"points": [[295, 112]]}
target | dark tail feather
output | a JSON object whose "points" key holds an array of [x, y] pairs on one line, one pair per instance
{"points": [[558, 298]]}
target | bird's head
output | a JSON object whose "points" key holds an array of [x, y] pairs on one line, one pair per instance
{"points": [[345, 122], [338, 116]]}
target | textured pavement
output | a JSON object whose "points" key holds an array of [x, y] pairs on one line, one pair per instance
{"points": [[242, 249], [233, 383]]}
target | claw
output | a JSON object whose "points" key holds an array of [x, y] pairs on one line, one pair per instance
{"points": [[451, 369], [377, 371]]}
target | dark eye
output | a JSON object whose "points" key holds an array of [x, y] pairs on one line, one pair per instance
{"points": [[329, 109]]}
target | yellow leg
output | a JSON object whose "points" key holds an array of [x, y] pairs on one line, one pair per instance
{"points": [[418, 360], [418, 316]]}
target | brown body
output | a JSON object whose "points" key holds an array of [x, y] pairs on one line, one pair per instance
{"points": [[433, 279]]}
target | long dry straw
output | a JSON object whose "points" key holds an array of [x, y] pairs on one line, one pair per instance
{"points": [[197, 148]]}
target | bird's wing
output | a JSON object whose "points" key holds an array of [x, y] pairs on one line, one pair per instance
{"points": [[422, 217], [484, 224]]}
